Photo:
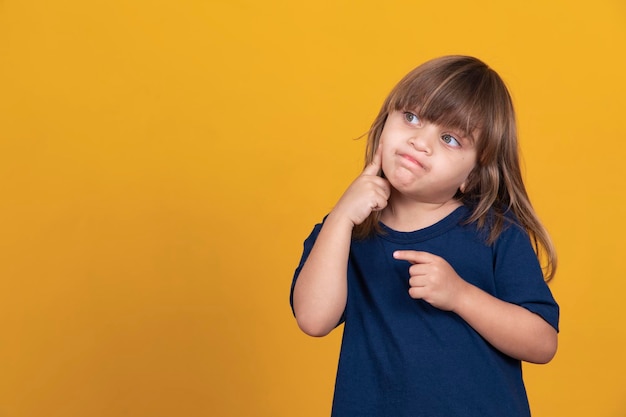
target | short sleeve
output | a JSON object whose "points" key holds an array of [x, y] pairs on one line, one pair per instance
{"points": [[519, 278]]}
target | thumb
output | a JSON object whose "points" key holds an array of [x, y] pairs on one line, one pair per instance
{"points": [[374, 167]]}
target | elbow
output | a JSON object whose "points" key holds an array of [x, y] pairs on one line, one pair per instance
{"points": [[312, 327], [547, 350], [314, 332], [546, 356]]}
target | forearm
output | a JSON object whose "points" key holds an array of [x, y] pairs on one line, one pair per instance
{"points": [[320, 293], [510, 328]]}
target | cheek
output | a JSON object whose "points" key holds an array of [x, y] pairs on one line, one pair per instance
{"points": [[469, 171], [469, 174], [470, 161], [384, 151], [385, 157]]}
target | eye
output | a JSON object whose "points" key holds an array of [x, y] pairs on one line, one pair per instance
{"points": [[450, 140], [411, 118]]}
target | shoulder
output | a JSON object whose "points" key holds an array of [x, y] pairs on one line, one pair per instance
{"points": [[495, 225], [512, 232]]}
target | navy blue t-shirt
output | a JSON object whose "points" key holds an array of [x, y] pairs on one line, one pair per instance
{"points": [[403, 357]]}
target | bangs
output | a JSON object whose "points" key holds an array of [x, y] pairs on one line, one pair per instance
{"points": [[459, 94]]}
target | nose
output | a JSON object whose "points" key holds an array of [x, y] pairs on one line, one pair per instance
{"points": [[422, 142]]}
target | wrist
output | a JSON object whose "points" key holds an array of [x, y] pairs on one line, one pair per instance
{"points": [[336, 219], [464, 297]]}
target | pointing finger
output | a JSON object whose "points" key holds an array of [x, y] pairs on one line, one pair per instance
{"points": [[412, 256], [374, 167]]}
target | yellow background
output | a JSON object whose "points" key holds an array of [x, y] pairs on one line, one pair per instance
{"points": [[161, 163]]}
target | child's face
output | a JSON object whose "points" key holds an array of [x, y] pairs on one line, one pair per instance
{"points": [[425, 161]]}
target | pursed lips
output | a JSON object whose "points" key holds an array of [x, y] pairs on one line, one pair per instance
{"points": [[412, 160]]}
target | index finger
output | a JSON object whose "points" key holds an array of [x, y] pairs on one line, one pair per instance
{"points": [[374, 167], [413, 256]]}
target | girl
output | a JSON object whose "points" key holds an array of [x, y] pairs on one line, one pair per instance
{"points": [[431, 257]]}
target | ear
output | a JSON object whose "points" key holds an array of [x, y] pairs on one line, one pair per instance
{"points": [[462, 187]]}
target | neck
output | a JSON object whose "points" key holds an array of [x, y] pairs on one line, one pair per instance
{"points": [[406, 215]]}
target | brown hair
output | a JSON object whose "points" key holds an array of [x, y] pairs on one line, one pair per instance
{"points": [[463, 93]]}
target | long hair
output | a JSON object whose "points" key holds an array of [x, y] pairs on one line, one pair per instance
{"points": [[463, 93]]}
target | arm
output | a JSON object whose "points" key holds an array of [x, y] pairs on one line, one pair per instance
{"points": [[321, 289], [320, 293], [510, 328]]}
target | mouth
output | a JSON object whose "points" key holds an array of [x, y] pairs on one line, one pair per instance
{"points": [[412, 160]]}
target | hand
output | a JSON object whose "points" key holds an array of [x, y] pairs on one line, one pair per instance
{"points": [[368, 192], [433, 280]]}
